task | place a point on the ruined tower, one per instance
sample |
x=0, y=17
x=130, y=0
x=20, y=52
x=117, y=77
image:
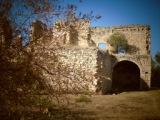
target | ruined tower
x=128, y=71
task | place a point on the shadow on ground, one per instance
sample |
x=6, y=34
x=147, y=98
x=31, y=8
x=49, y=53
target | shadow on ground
x=51, y=114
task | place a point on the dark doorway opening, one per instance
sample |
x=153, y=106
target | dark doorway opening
x=126, y=76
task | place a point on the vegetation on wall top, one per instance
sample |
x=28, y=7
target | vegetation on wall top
x=119, y=39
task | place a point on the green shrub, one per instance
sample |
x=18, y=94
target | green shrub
x=83, y=98
x=117, y=39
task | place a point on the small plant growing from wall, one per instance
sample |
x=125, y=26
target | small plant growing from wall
x=117, y=39
x=120, y=44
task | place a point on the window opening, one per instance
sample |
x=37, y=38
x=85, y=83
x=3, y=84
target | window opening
x=102, y=46
x=121, y=49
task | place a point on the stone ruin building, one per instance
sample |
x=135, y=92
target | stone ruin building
x=103, y=69
x=99, y=70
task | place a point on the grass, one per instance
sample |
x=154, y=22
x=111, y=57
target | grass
x=140, y=105
x=144, y=105
x=83, y=98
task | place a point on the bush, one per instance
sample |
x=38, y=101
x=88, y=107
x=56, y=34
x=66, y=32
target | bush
x=83, y=98
x=117, y=39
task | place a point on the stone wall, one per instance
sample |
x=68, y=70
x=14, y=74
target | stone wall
x=144, y=64
x=83, y=66
x=61, y=32
x=37, y=30
x=82, y=28
x=69, y=69
x=137, y=35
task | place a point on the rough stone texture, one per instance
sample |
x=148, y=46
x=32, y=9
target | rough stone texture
x=83, y=66
x=144, y=64
x=82, y=28
x=89, y=67
x=138, y=35
x=61, y=32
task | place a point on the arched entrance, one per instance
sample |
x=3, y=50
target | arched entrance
x=126, y=76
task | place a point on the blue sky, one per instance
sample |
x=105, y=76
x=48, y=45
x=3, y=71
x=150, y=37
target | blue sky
x=125, y=12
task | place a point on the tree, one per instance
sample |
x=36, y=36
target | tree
x=157, y=58
x=118, y=39
x=20, y=74
x=21, y=13
x=155, y=77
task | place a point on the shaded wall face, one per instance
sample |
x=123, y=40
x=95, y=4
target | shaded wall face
x=7, y=32
x=126, y=76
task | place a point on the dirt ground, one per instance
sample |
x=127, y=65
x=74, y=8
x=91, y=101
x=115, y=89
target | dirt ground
x=142, y=105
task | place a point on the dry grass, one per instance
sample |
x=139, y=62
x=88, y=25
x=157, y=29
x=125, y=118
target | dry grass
x=143, y=105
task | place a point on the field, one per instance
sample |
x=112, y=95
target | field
x=142, y=105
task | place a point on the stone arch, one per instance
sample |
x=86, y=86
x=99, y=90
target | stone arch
x=126, y=76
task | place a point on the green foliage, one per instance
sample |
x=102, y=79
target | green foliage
x=39, y=101
x=83, y=98
x=155, y=77
x=87, y=93
x=117, y=39
x=157, y=57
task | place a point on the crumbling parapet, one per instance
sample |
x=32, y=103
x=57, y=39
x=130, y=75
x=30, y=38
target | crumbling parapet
x=137, y=35
x=83, y=29
x=61, y=32
x=37, y=30
x=76, y=34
